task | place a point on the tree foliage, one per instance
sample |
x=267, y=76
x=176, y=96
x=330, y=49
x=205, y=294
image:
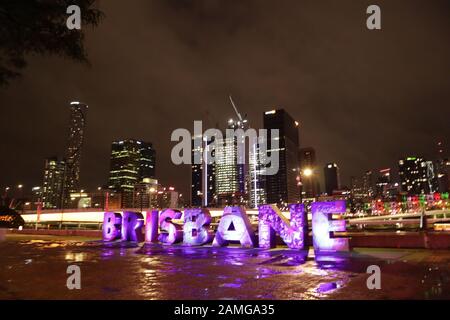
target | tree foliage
x=9, y=218
x=39, y=27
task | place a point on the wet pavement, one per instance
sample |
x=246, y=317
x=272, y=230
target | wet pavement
x=35, y=268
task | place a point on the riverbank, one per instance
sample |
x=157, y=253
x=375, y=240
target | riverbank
x=35, y=267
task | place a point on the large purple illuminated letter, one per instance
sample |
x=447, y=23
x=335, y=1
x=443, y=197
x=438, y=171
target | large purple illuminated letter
x=271, y=221
x=323, y=226
x=132, y=226
x=196, y=231
x=151, y=226
x=174, y=232
x=112, y=225
x=234, y=226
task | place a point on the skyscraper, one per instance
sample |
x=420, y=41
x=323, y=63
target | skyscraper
x=332, y=179
x=442, y=170
x=308, y=168
x=53, y=183
x=443, y=175
x=283, y=187
x=383, y=182
x=230, y=173
x=367, y=185
x=416, y=176
x=131, y=162
x=256, y=177
x=196, y=175
x=203, y=183
x=356, y=188
x=78, y=112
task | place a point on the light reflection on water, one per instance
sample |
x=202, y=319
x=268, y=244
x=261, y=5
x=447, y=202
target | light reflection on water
x=37, y=269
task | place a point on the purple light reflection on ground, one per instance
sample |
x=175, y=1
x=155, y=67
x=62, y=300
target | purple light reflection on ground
x=129, y=271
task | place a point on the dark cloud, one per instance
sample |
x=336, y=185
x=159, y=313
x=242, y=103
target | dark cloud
x=363, y=98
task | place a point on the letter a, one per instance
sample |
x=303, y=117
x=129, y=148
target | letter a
x=181, y=152
x=374, y=20
x=374, y=281
x=74, y=280
x=74, y=20
x=234, y=226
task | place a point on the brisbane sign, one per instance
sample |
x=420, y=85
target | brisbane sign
x=234, y=226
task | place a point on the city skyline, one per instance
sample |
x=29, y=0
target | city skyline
x=59, y=164
x=228, y=157
x=290, y=72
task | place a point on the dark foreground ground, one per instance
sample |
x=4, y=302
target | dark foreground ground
x=34, y=267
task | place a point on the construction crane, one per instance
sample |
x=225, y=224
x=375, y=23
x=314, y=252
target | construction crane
x=241, y=120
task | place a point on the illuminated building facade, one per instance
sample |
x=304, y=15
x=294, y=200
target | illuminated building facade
x=383, y=182
x=53, y=183
x=367, y=185
x=284, y=186
x=256, y=177
x=230, y=175
x=167, y=198
x=332, y=179
x=417, y=176
x=203, y=182
x=442, y=170
x=78, y=113
x=357, y=189
x=443, y=174
x=132, y=161
x=144, y=193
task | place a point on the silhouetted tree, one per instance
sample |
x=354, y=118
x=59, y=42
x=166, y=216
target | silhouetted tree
x=39, y=27
x=10, y=218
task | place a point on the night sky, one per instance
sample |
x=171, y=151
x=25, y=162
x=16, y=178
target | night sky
x=363, y=98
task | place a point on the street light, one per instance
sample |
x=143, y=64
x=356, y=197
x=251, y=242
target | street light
x=308, y=172
x=6, y=192
x=20, y=187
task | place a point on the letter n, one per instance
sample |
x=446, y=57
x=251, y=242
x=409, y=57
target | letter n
x=294, y=232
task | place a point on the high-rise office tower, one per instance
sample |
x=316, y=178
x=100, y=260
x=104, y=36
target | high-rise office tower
x=443, y=175
x=309, y=174
x=196, y=174
x=53, y=183
x=256, y=177
x=230, y=172
x=78, y=113
x=283, y=187
x=442, y=170
x=367, y=185
x=416, y=176
x=357, y=188
x=131, y=162
x=383, y=182
x=332, y=179
x=203, y=183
